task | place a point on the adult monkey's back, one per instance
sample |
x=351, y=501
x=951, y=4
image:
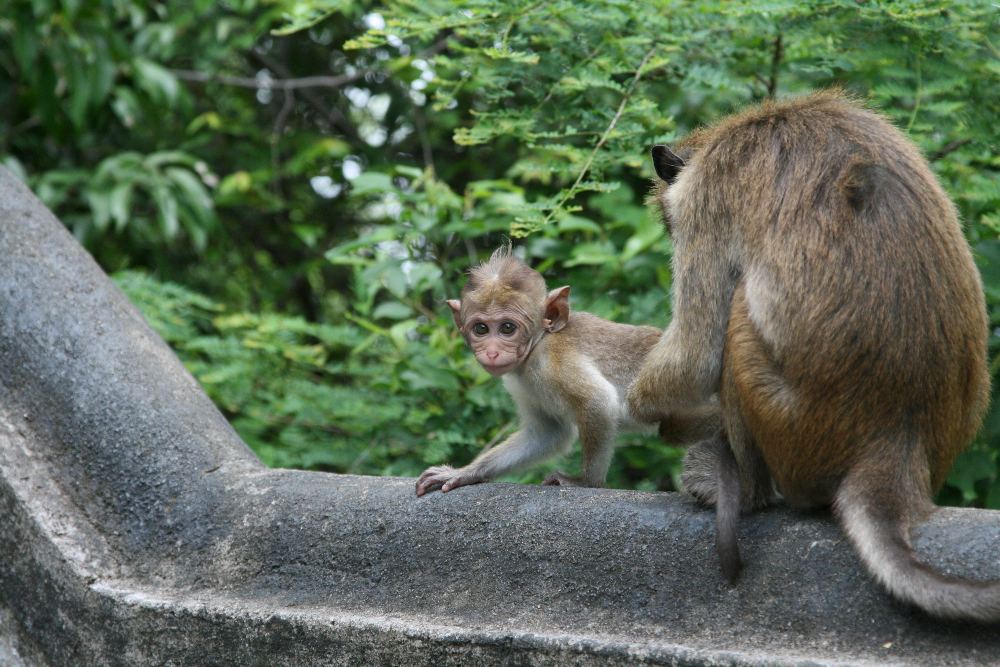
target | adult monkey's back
x=823, y=285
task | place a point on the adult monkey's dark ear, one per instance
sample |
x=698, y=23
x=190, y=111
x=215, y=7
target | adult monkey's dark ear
x=666, y=163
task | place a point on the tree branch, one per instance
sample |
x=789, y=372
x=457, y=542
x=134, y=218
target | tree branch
x=332, y=114
x=277, y=84
x=294, y=83
x=948, y=148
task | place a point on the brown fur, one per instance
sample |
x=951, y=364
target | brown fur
x=568, y=373
x=823, y=284
x=506, y=281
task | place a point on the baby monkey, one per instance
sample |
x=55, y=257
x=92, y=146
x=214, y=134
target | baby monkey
x=568, y=373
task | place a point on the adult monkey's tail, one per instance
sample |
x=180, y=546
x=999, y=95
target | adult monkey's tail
x=727, y=512
x=877, y=519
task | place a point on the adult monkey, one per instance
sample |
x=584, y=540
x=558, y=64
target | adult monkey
x=823, y=286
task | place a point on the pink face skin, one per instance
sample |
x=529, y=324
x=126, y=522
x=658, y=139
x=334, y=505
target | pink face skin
x=499, y=337
x=499, y=341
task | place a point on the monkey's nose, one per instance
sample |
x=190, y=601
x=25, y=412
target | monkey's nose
x=492, y=354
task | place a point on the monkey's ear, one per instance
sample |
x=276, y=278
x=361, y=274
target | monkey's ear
x=557, y=309
x=456, y=311
x=666, y=163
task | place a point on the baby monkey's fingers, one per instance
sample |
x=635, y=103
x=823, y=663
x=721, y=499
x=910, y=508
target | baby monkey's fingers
x=446, y=478
x=433, y=478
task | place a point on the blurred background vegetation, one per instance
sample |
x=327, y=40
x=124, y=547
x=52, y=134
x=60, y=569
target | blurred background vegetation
x=289, y=189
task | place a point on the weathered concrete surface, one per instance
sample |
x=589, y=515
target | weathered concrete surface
x=136, y=528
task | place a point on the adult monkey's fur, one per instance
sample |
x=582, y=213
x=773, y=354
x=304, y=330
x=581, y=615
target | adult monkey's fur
x=823, y=286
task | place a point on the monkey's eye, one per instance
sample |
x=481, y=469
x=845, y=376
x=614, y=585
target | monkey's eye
x=480, y=329
x=507, y=328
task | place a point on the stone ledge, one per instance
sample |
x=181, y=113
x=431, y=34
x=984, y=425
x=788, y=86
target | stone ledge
x=138, y=529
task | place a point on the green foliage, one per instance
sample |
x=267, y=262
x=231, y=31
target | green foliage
x=356, y=397
x=295, y=236
x=160, y=189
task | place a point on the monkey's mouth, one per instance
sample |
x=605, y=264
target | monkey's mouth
x=498, y=369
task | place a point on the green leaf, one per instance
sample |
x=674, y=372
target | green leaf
x=120, y=204
x=161, y=159
x=156, y=81
x=305, y=14
x=593, y=254
x=394, y=279
x=423, y=276
x=372, y=182
x=341, y=254
x=520, y=57
x=166, y=205
x=236, y=183
x=399, y=332
x=100, y=207
x=193, y=190
x=649, y=233
x=392, y=310
x=574, y=223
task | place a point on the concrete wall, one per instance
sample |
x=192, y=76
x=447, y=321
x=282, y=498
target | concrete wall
x=137, y=529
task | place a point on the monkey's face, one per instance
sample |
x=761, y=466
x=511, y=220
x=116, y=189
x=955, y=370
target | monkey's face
x=499, y=338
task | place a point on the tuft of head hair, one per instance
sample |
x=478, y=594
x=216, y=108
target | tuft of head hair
x=503, y=280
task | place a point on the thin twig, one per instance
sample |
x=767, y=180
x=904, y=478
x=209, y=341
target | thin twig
x=280, y=122
x=277, y=84
x=282, y=119
x=423, y=310
x=917, y=96
x=576, y=66
x=949, y=148
x=28, y=123
x=510, y=25
x=425, y=144
x=776, y=55
x=470, y=250
x=571, y=192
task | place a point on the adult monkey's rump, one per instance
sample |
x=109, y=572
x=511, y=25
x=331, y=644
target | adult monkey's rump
x=823, y=286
